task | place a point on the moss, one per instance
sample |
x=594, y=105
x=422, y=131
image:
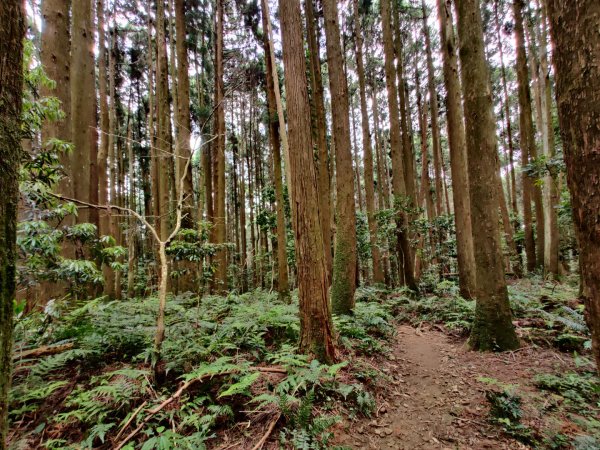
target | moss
x=344, y=283
x=493, y=329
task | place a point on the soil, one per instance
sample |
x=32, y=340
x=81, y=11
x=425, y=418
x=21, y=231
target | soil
x=435, y=395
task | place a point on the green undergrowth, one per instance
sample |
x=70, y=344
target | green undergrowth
x=562, y=412
x=547, y=313
x=238, y=354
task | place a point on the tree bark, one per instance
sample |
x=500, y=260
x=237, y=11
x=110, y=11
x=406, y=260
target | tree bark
x=316, y=327
x=435, y=126
x=492, y=328
x=83, y=108
x=574, y=28
x=527, y=140
x=551, y=193
x=458, y=152
x=405, y=260
x=345, y=256
x=219, y=176
x=55, y=57
x=274, y=138
x=12, y=33
x=183, y=150
x=506, y=105
x=367, y=149
x=320, y=127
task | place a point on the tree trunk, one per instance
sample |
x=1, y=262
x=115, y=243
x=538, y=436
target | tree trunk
x=274, y=137
x=435, y=126
x=344, y=256
x=219, y=129
x=320, y=126
x=316, y=328
x=506, y=104
x=574, y=28
x=551, y=193
x=83, y=108
x=55, y=57
x=458, y=152
x=12, y=33
x=492, y=328
x=526, y=136
x=406, y=270
x=408, y=158
x=367, y=150
x=183, y=151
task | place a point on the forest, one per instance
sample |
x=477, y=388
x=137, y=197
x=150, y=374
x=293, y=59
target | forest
x=286, y=224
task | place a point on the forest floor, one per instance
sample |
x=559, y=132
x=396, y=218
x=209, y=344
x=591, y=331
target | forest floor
x=436, y=395
x=234, y=380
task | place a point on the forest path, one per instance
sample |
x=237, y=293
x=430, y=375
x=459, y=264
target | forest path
x=433, y=399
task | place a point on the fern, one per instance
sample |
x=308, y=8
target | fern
x=55, y=362
x=242, y=386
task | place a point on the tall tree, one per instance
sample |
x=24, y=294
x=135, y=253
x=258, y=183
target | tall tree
x=492, y=328
x=219, y=154
x=367, y=147
x=574, y=28
x=458, y=152
x=55, y=57
x=184, y=125
x=320, y=130
x=550, y=191
x=104, y=219
x=316, y=328
x=83, y=107
x=434, y=108
x=528, y=150
x=405, y=259
x=12, y=33
x=345, y=256
x=275, y=133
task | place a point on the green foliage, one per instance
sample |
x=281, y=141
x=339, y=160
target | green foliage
x=505, y=410
x=579, y=389
x=216, y=340
x=453, y=311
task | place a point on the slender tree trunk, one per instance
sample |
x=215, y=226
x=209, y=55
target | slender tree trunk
x=320, y=126
x=163, y=119
x=527, y=136
x=183, y=150
x=275, y=141
x=458, y=152
x=367, y=149
x=243, y=237
x=345, y=256
x=83, y=108
x=103, y=181
x=219, y=216
x=574, y=28
x=55, y=57
x=506, y=104
x=12, y=33
x=111, y=157
x=435, y=126
x=316, y=328
x=408, y=158
x=550, y=190
x=398, y=183
x=492, y=328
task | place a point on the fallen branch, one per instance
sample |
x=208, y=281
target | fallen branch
x=43, y=351
x=152, y=412
x=262, y=441
x=273, y=369
x=135, y=413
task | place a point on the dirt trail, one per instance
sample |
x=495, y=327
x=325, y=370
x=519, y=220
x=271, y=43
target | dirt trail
x=434, y=399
